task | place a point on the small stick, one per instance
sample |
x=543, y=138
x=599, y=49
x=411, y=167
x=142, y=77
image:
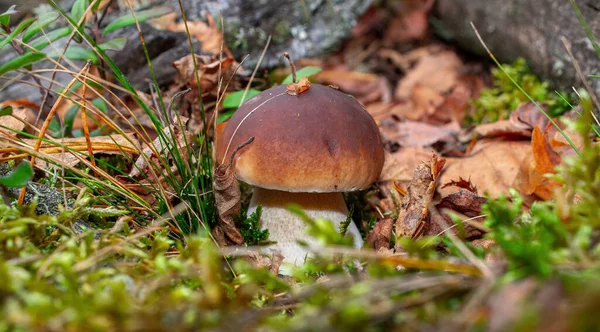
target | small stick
x=287, y=56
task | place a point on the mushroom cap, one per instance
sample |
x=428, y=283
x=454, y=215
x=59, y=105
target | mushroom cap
x=321, y=140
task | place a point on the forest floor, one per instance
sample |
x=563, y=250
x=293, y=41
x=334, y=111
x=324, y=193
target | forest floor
x=112, y=217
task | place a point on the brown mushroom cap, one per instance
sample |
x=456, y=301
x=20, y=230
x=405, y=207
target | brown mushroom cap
x=321, y=140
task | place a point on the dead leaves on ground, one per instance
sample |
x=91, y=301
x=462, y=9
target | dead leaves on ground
x=206, y=32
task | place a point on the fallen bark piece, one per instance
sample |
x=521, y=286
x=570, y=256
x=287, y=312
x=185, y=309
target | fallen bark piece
x=381, y=234
x=414, y=214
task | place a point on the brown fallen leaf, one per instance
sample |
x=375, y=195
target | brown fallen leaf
x=500, y=128
x=438, y=70
x=465, y=202
x=528, y=116
x=441, y=223
x=458, y=100
x=463, y=184
x=206, y=32
x=380, y=110
x=365, y=87
x=410, y=24
x=208, y=71
x=379, y=237
x=16, y=121
x=426, y=100
x=227, y=199
x=414, y=214
x=521, y=122
x=558, y=141
x=405, y=28
x=492, y=166
x=532, y=175
x=107, y=145
x=418, y=134
x=295, y=89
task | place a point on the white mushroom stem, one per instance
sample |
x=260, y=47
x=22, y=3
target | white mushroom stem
x=286, y=228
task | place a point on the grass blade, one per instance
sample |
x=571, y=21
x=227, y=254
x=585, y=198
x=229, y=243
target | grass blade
x=129, y=19
x=22, y=26
x=21, y=61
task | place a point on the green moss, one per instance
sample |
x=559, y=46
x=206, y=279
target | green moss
x=496, y=103
x=281, y=32
x=250, y=227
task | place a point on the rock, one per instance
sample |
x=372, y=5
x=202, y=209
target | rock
x=24, y=7
x=303, y=28
x=531, y=29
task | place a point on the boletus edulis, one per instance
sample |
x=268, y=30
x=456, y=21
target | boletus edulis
x=310, y=145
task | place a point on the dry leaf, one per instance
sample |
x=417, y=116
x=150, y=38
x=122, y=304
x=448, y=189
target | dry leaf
x=398, y=170
x=438, y=71
x=208, y=71
x=207, y=33
x=108, y=145
x=528, y=116
x=294, y=89
x=411, y=24
x=492, y=166
x=380, y=110
x=501, y=128
x=521, y=122
x=365, y=87
x=381, y=234
x=462, y=183
x=15, y=121
x=464, y=201
x=413, y=216
x=418, y=134
x=543, y=160
x=227, y=199
x=400, y=165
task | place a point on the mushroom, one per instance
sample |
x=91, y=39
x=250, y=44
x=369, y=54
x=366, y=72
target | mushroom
x=309, y=147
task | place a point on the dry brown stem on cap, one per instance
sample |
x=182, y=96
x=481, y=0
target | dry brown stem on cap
x=295, y=88
x=287, y=56
x=227, y=200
